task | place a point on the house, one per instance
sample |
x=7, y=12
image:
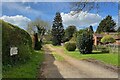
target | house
x=117, y=38
x=97, y=38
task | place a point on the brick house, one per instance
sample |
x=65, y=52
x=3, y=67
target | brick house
x=97, y=37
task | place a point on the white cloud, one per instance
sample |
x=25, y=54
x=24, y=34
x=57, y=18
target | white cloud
x=23, y=9
x=18, y=20
x=82, y=19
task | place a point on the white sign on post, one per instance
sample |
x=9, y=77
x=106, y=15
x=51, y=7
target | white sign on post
x=13, y=51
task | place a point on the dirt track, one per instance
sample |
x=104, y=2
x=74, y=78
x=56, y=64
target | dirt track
x=72, y=68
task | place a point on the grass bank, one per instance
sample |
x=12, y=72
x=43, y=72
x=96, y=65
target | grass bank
x=26, y=70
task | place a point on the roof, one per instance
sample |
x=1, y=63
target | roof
x=98, y=35
x=114, y=35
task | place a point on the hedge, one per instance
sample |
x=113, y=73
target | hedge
x=13, y=36
x=70, y=46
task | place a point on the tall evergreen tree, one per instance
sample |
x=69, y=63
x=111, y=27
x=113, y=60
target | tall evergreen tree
x=91, y=29
x=106, y=25
x=57, y=30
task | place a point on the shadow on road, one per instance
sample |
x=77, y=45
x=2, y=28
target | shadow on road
x=48, y=68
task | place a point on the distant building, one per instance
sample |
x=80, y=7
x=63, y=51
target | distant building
x=97, y=38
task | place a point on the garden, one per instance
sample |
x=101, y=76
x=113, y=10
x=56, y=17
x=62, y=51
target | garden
x=78, y=44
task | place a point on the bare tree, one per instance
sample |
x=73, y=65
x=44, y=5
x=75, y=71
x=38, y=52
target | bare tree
x=36, y=25
x=88, y=6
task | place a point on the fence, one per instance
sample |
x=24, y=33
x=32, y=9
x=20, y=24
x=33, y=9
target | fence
x=113, y=48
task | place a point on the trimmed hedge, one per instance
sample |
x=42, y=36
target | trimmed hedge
x=13, y=36
x=70, y=46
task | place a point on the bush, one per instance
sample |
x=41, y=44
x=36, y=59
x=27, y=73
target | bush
x=104, y=50
x=70, y=46
x=85, y=43
x=13, y=36
x=107, y=39
x=101, y=48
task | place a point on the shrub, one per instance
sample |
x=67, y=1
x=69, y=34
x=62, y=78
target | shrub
x=107, y=39
x=85, y=43
x=13, y=36
x=70, y=46
x=101, y=48
x=104, y=50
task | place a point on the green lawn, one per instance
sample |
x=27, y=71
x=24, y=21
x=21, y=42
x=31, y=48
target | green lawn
x=107, y=58
x=26, y=70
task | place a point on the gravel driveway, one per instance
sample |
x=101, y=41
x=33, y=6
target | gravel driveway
x=72, y=68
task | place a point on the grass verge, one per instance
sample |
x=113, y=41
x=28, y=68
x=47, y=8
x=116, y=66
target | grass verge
x=26, y=70
x=57, y=57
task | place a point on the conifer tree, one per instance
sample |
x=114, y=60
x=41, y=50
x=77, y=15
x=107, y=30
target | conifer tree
x=57, y=30
x=106, y=25
x=91, y=29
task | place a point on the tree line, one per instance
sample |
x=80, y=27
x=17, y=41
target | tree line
x=84, y=37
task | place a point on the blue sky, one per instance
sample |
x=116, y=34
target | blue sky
x=46, y=10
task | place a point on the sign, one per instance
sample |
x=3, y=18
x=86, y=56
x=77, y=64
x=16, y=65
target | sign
x=13, y=51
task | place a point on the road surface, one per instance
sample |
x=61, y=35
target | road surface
x=72, y=68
